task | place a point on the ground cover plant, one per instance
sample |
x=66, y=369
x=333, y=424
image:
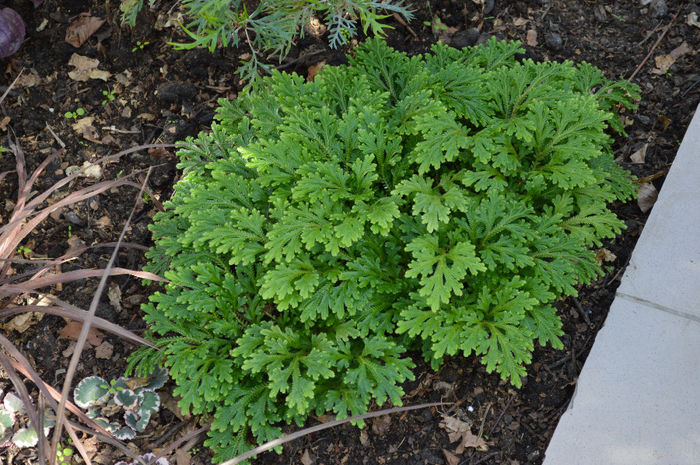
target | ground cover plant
x=323, y=229
x=271, y=26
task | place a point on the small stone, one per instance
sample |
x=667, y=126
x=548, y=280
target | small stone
x=488, y=6
x=72, y=217
x=176, y=91
x=465, y=38
x=553, y=40
x=658, y=8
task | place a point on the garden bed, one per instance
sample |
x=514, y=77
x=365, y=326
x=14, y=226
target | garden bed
x=159, y=95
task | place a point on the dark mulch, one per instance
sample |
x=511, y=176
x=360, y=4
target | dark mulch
x=162, y=95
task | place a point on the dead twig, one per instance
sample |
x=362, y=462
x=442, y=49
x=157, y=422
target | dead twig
x=656, y=44
x=583, y=313
x=493, y=427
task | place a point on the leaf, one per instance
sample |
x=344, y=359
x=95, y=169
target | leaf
x=646, y=196
x=13, y=403
x=25, y=437
x=664, y=61
x=7, y=420
x=71, y=331
x=81, y=29
x=124, y=433
x=639, y=156
x=91, y=391
x=531, y=37
x=450, y=458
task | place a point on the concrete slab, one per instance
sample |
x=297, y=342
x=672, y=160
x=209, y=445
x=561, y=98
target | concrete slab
x=637, y=401
x=665, y=267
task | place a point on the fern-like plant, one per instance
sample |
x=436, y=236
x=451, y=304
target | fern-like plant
x=323, y=229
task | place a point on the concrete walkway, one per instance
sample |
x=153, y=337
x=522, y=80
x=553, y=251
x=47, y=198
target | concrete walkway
x=637, y=401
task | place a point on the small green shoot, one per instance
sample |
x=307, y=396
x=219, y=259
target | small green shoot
x=140, y=45
x=109, y=96
x=24, y=251
x=75, y=114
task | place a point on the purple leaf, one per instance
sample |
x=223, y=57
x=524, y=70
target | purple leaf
x=11, y=32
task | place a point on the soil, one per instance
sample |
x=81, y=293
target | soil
x=161, y=95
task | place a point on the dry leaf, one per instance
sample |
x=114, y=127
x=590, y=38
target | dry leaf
x=314, y=69
x=664, y=62
x=531, y=38
x=85, y=68
x=81, y=29
x=104, y=350
x=71, y=331
x=306, y=458
x=647, y=195
x=28, y=79
x=146, y=117
x=23, y=321
x=454, y=427
x=639, y=155
x=114, y=294
x=665, y=121
x=104, y=222
x=380, y=425
x=692, y=19
x=364, y=439
x=604, y=255
x=182, y=457
x=450, y=458
x=4, y=122
x=82, y=123
x=316, y=27
x=469, y=440
x=517, y=22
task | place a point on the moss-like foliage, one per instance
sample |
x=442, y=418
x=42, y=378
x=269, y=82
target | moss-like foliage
x=322, y=229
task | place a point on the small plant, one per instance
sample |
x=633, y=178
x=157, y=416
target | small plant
x=140, y=45
x=131, y=400
x=24, y=251
x=109, y=96
x=75, y=114
x=64, y=455
x=272, y=27
x=323, y=229
x=12, y=410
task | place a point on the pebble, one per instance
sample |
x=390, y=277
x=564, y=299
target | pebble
x=176, y=91
x=553, y=40
x=72, y=217
x=465, y=38
x=488, y=6
x=658, y=8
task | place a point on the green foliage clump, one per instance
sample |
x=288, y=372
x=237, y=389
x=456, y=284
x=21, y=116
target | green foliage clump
x=438, y=203
x=273, y=25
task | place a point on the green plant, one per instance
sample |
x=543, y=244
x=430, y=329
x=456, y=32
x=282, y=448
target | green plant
x=132, y=400
x=109, y=96
x=64, y=455
x=140, y=45
x=74, y=114
x=11, y=410
x=322, y=229
x=146, y=458
x=24, y=251
x=271, y=28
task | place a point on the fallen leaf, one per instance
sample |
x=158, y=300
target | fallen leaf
x=470, y=440
x=450, y=458
x=454, y=427
x=531, y=38
x=664, y=61
x=665, y=121
x=364, y=438
x=85, y=68
x=28, y=79
x=380, y=425
x=692, y=19
x=639, y=156
x=604, y=255
x=82, y=123
x=316, y=27
x=4, y=122
x=647, y=195
x=104, y=350
x=104, y=222
x=114, y=294
x=71, y=331
x=23, y=321
x=91, y=171
x=517, y=22
x=314, y=69
x=81, y=29
x=182, y=457
x=306, y=458
x=146, y=117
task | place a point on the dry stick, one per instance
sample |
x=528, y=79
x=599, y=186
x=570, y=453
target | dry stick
x=485, y=458
x=174, y=445
x=7, y=91
x=290, y=437
x=493, y=427
x=656, y=44
x=72, y=366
